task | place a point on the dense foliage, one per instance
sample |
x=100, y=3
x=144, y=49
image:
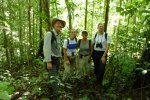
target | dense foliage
x=24, y=22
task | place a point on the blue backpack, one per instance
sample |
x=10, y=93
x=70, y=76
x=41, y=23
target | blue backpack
x=71, y=46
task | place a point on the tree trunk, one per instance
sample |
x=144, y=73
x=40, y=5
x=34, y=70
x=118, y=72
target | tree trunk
x=20, y=31
x=6, y=49
x=106, y=14
x=40, y=20
x=29, y=34
x=5, y=42
x=92, y=16
x=45, y=6
x=33, y=34
x=29, y=23
x=56, y=8
x=85, y=21
x=69, y=14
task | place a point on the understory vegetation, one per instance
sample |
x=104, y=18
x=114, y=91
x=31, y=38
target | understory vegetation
x=23, y=75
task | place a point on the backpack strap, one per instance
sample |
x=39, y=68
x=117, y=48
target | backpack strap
x=76, y=39
x=67, y=42
x=53, y=37
x=95, y=37
x=76, y=42
x=89, y=43
x=79, y=42
x=106, y=36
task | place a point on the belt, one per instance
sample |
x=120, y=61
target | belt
x=54, y=58
x=71, y=56
x=83, y=56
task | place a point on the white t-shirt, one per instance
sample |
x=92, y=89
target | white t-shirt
x=101, y=39
x=72, y=46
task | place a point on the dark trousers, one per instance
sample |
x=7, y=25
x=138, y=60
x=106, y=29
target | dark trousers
x=99, y=67
x=53, y=74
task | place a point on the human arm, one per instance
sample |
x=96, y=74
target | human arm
x=103, y=59
x=65, y=52
x=91, y=51
x=65, y=56
x=47, y=50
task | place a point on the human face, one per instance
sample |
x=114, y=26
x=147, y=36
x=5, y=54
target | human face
x=84, y=35
x=101, y=27
x=58, y=26
x=72, y=34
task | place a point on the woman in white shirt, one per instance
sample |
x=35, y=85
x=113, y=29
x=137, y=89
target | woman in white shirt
x=100, y=47
x=69, y=51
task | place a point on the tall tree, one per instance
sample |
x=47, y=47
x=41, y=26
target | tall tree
x=93, y=7
x=5, y=40
x=45, y=6
x=54, y=9
x=29, y=23
x=10, y=40
x=40, y=20
x=68, y=4
x=20, y=29
x=85, y=21
x=106, y=14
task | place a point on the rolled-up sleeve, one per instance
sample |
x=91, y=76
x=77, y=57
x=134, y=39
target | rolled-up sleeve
x=65, y=44
x=108, y=39
x=47, y=47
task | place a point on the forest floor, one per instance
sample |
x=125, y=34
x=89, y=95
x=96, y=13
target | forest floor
x=87, y=89
x=30, y=79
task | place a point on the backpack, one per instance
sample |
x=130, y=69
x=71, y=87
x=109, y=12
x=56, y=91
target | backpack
x=68, y=46
x=68, y=42
x=40, y=50
x=80, y=43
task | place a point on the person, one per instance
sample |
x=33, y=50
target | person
x=52, y=53
x=69, y=51
x=100, y=47
x=84, y=46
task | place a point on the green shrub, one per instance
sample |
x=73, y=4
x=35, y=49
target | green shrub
x=5, y=90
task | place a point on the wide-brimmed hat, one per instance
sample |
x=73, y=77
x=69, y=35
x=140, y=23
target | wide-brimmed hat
x=56, y=19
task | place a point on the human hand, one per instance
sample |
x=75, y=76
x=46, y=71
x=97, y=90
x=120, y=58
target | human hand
x=49, y=65
x=103, y=59
x=67, y=62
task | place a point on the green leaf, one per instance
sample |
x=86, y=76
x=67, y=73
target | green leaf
x=119, y=9
x=4, y=95
x=10, y=89
x=4, y=85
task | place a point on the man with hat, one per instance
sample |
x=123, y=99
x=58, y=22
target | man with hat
x=52, y=52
